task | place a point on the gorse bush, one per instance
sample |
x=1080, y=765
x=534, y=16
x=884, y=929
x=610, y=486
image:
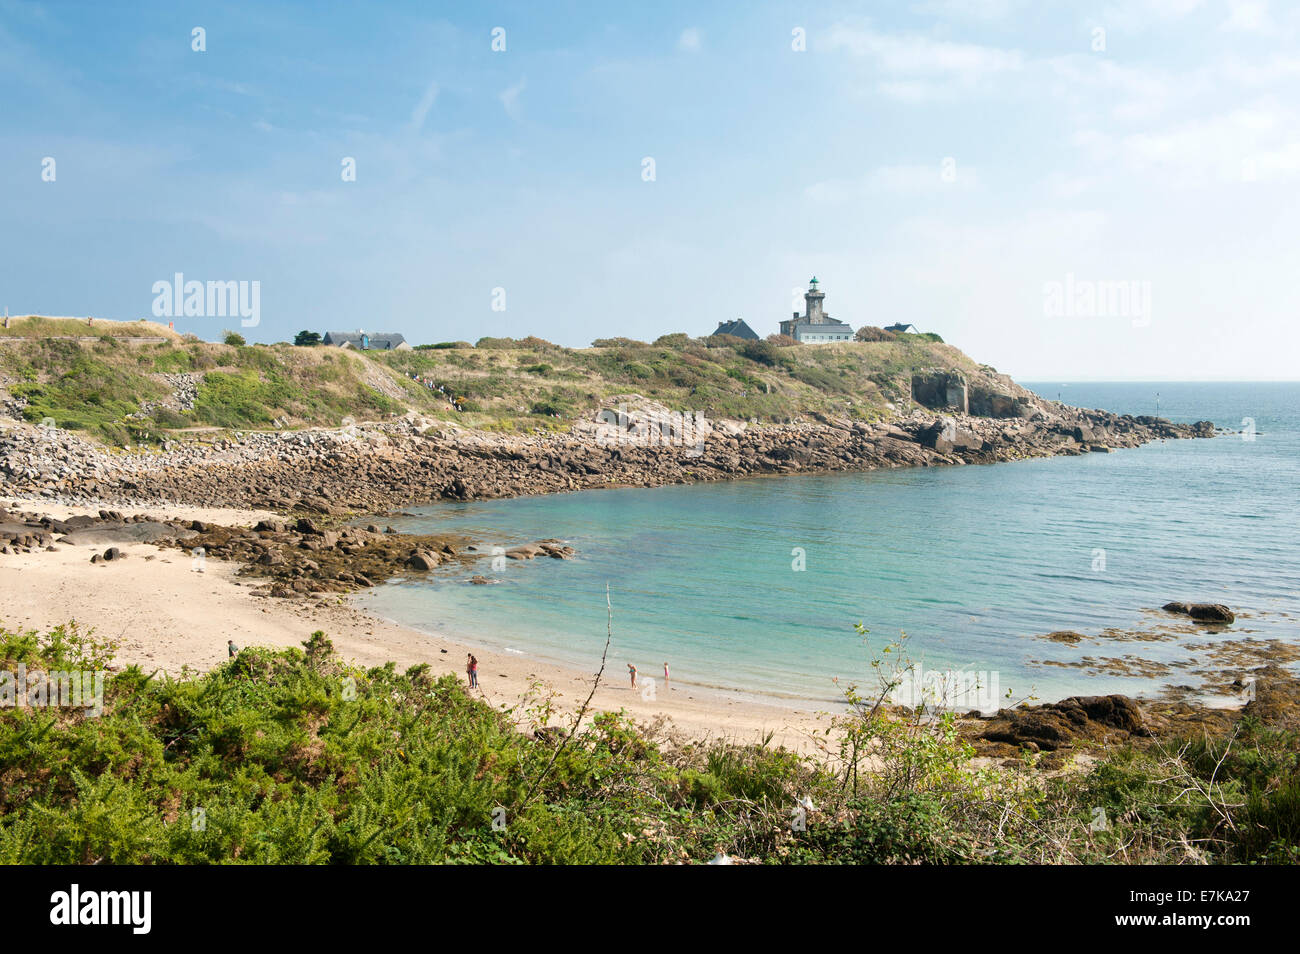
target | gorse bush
x=292, y=757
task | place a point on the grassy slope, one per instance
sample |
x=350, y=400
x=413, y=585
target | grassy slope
x=39, y=326
x=98, y=387
x=738, y=381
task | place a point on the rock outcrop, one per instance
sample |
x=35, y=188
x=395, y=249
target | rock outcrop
x=941, y=389
x=378, y=467
x=1104, y=719
x=1202, y=612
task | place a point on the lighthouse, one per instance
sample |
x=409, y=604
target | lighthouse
x=813, y=301
x=815, y=326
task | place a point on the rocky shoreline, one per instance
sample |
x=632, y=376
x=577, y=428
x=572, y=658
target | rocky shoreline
x=307, y=559
x=377, y=468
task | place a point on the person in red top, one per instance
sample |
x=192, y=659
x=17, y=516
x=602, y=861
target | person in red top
x=471, y=670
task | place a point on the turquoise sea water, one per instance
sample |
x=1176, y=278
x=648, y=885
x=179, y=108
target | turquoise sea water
x=971, y=562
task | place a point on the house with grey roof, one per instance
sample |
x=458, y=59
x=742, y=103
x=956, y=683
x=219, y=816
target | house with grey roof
x=366, y=340
x=737, y=329
x=902, y=328
x=815, y=326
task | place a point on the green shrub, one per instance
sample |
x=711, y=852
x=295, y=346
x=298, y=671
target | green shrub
x=760, y=352
x=678, y=339
x=723, y=341
x=533, y=343
x=295, y=757
x=234, y=400
x=638, y=371
x=173, y=360
x=549, y=407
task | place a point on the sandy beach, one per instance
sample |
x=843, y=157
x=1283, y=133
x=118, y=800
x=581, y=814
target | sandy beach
x=165, y=616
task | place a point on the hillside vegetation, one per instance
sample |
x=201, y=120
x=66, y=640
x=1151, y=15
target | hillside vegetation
x=131, y=392
x=292, y=757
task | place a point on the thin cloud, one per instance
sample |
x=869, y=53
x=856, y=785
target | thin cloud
x=914, y=55
x=421, y=110
x=968, y=9
x=918, y=179
x=690, y=41
x=1260, y=143
x=225, y=85
x=510, y=99
x=1138, y=15
x=913, y=68
x=1247, y=16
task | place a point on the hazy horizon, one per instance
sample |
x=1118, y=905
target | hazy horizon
x=1087, y=193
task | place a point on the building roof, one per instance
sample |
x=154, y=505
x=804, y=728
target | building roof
x=738, y=328
x=377, y=341
x=818, y=326
x=830, y=324
x=900, y=327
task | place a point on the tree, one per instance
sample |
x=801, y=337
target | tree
x=870, y=333
x=234, y=338
x=306, y=338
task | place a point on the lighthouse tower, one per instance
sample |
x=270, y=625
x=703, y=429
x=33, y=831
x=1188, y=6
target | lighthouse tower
x=815, y=327
x=813, y=300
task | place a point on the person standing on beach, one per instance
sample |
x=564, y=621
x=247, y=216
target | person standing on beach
x=665, y=675
x=631, y=670
x=471, y=670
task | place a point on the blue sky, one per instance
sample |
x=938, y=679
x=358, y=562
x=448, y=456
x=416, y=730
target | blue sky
x=936, y=162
